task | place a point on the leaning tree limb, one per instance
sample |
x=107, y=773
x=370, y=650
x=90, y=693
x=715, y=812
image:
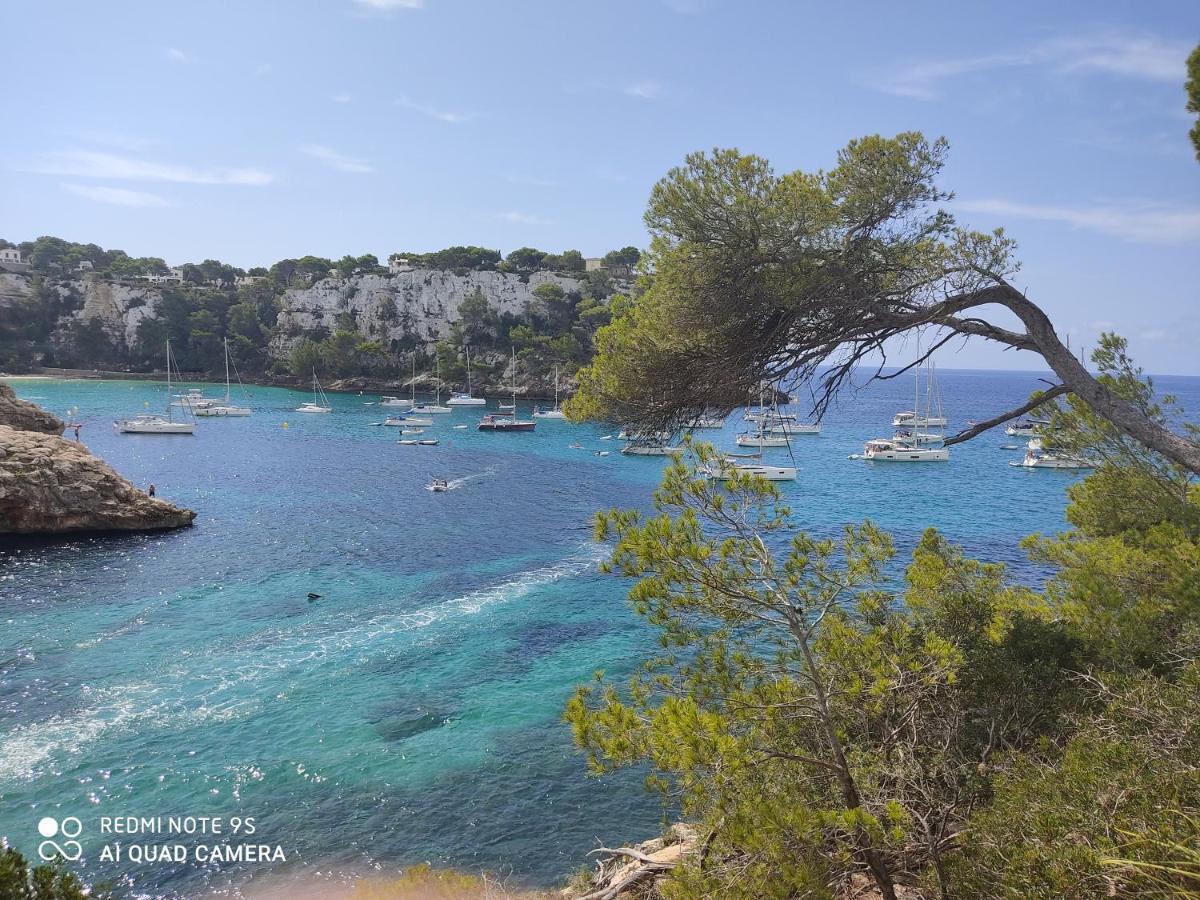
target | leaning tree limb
x=1080, y=382
x=980, y=427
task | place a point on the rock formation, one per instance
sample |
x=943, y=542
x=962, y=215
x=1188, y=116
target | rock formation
x=49, y=485
x=25, y=416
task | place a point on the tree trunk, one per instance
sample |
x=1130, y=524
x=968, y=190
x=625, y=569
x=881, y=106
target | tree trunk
x=1102, y=401
x=850, y=796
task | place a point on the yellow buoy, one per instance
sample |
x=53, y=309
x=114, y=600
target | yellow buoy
x=285, y=424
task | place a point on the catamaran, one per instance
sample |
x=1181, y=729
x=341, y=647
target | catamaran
x=319, y=402
x=556, y=413
x=508, y=421
x=459, y=398
x=152, y=423
x=227, y=408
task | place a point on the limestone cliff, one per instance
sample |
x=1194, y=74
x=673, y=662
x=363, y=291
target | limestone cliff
x=49, y=485
x=419, y=303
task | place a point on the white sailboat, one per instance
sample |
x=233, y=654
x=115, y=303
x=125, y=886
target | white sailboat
x=507, y=421
x=459, y=398
x=1041, y=457
x=728, y=466
x=435, y=407
x=913, y=420
x=226, y=409
x=555, y=413
x=194, y=399
x=319, y=402
x=910, y=443
x=152, y=423
x=387, y=400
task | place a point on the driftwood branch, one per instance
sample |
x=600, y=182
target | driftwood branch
x=980, y=427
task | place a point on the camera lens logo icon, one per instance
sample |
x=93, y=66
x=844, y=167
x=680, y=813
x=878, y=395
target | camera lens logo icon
x=69, y=828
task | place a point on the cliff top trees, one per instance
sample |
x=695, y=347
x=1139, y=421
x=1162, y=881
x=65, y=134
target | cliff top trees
x=808, y=275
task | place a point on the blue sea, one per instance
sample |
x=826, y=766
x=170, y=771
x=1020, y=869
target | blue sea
x=412, y=713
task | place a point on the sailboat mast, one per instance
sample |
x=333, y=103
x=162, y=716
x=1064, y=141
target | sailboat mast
x=226, y=371
x=470, y=393
x=556, y=386
x=514, y=382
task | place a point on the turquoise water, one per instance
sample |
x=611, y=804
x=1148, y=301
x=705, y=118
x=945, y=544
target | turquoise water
x=412, y=713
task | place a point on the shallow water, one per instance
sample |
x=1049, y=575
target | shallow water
x=412, y=712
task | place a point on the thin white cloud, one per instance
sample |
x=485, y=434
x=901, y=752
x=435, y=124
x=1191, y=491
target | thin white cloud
x=336, y=160
x=115, y=196
x=263, y=69
x=442, y=115
x=532, y=181
x=94, y=164
x=1154, y=334
x=520, y=218
x=342, y=98
x=1143, y=223
x=174, y=54
x=389, y=5
x=646, y=90
x=1120, y=53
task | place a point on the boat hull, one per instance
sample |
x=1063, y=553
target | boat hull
x=222, y=412
x=650, y=450
x=407, y=422
x=915, y=454
x=154, y=427
x=501, y=426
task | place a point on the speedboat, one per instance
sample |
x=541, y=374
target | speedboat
x=439, y=485
x=427, y=442
x=881, y=450
x=407, y=422
x=395, y=401
x=412, y=430
x=152, y=424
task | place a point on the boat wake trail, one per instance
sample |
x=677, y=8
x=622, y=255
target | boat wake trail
x=454, y=484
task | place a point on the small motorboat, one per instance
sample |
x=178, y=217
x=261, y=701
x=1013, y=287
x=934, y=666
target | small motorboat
x=427, y=442
x=439, y=485
x=407, y=421
x=412, y=430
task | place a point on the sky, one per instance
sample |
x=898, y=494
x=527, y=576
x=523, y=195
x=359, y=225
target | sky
x=254, y=131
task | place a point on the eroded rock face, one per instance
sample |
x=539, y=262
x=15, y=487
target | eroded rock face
x=49, y=485
x=25, y=416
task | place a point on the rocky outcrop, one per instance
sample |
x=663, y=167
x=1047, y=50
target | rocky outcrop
x=49, y=485
x=25, y=416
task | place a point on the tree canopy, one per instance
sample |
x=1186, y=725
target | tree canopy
x=808, y=276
